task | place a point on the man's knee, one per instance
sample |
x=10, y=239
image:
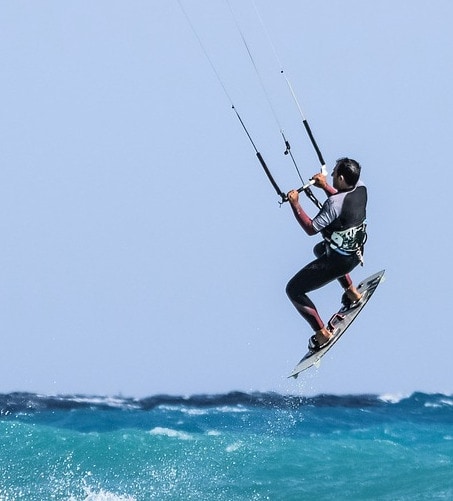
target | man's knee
x=290, y=290
x=295, y=289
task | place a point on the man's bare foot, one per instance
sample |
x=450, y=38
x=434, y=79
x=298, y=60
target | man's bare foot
x=323, y=336
x=351, y=296
x=320, y=339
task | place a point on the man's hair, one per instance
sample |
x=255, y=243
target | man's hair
x=349, y=169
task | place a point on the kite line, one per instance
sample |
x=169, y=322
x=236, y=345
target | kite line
x=306, y=186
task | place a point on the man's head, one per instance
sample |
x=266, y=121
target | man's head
x=346, y=173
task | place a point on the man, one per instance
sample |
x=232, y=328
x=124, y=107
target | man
x=341, y=221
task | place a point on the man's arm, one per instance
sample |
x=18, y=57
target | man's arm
x=321, y=182
x=301, y=216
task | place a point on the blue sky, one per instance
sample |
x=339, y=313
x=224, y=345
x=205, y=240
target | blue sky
x=143, y=249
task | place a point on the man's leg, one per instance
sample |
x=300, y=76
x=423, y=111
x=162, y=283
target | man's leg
x=327, y=267
x=313, y=276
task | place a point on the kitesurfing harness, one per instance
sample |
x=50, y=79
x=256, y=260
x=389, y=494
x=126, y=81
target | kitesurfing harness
x=350, y=241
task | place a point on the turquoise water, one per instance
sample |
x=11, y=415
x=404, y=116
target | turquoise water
x=226, y=447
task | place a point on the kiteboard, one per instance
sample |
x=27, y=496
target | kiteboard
x=340, y=321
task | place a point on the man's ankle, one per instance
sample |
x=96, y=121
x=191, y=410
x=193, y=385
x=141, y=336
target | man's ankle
x=353, y=294
x=323, y=334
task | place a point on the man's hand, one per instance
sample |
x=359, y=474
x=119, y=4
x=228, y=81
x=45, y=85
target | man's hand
x=320, y=180
x=293, y=197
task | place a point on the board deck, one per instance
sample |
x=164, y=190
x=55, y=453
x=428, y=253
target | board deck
x=341, y=320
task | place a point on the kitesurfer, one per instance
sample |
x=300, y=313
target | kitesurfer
x=341, y=222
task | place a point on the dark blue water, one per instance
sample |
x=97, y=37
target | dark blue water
x=235, y=446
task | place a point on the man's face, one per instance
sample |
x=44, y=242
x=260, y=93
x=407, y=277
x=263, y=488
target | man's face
x=335, y=178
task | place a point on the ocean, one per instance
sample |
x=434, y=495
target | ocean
x=234, y=446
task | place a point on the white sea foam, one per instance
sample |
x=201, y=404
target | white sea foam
x=169, y=432
x=392, y=398
x=194, y=412
x=102, y=495
x=167, y=407
x=229, y=408
x=197, y=411
x=440, y=403
x=213, y=433
x=234, y=447
x=117, y=402
x=190, y=411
